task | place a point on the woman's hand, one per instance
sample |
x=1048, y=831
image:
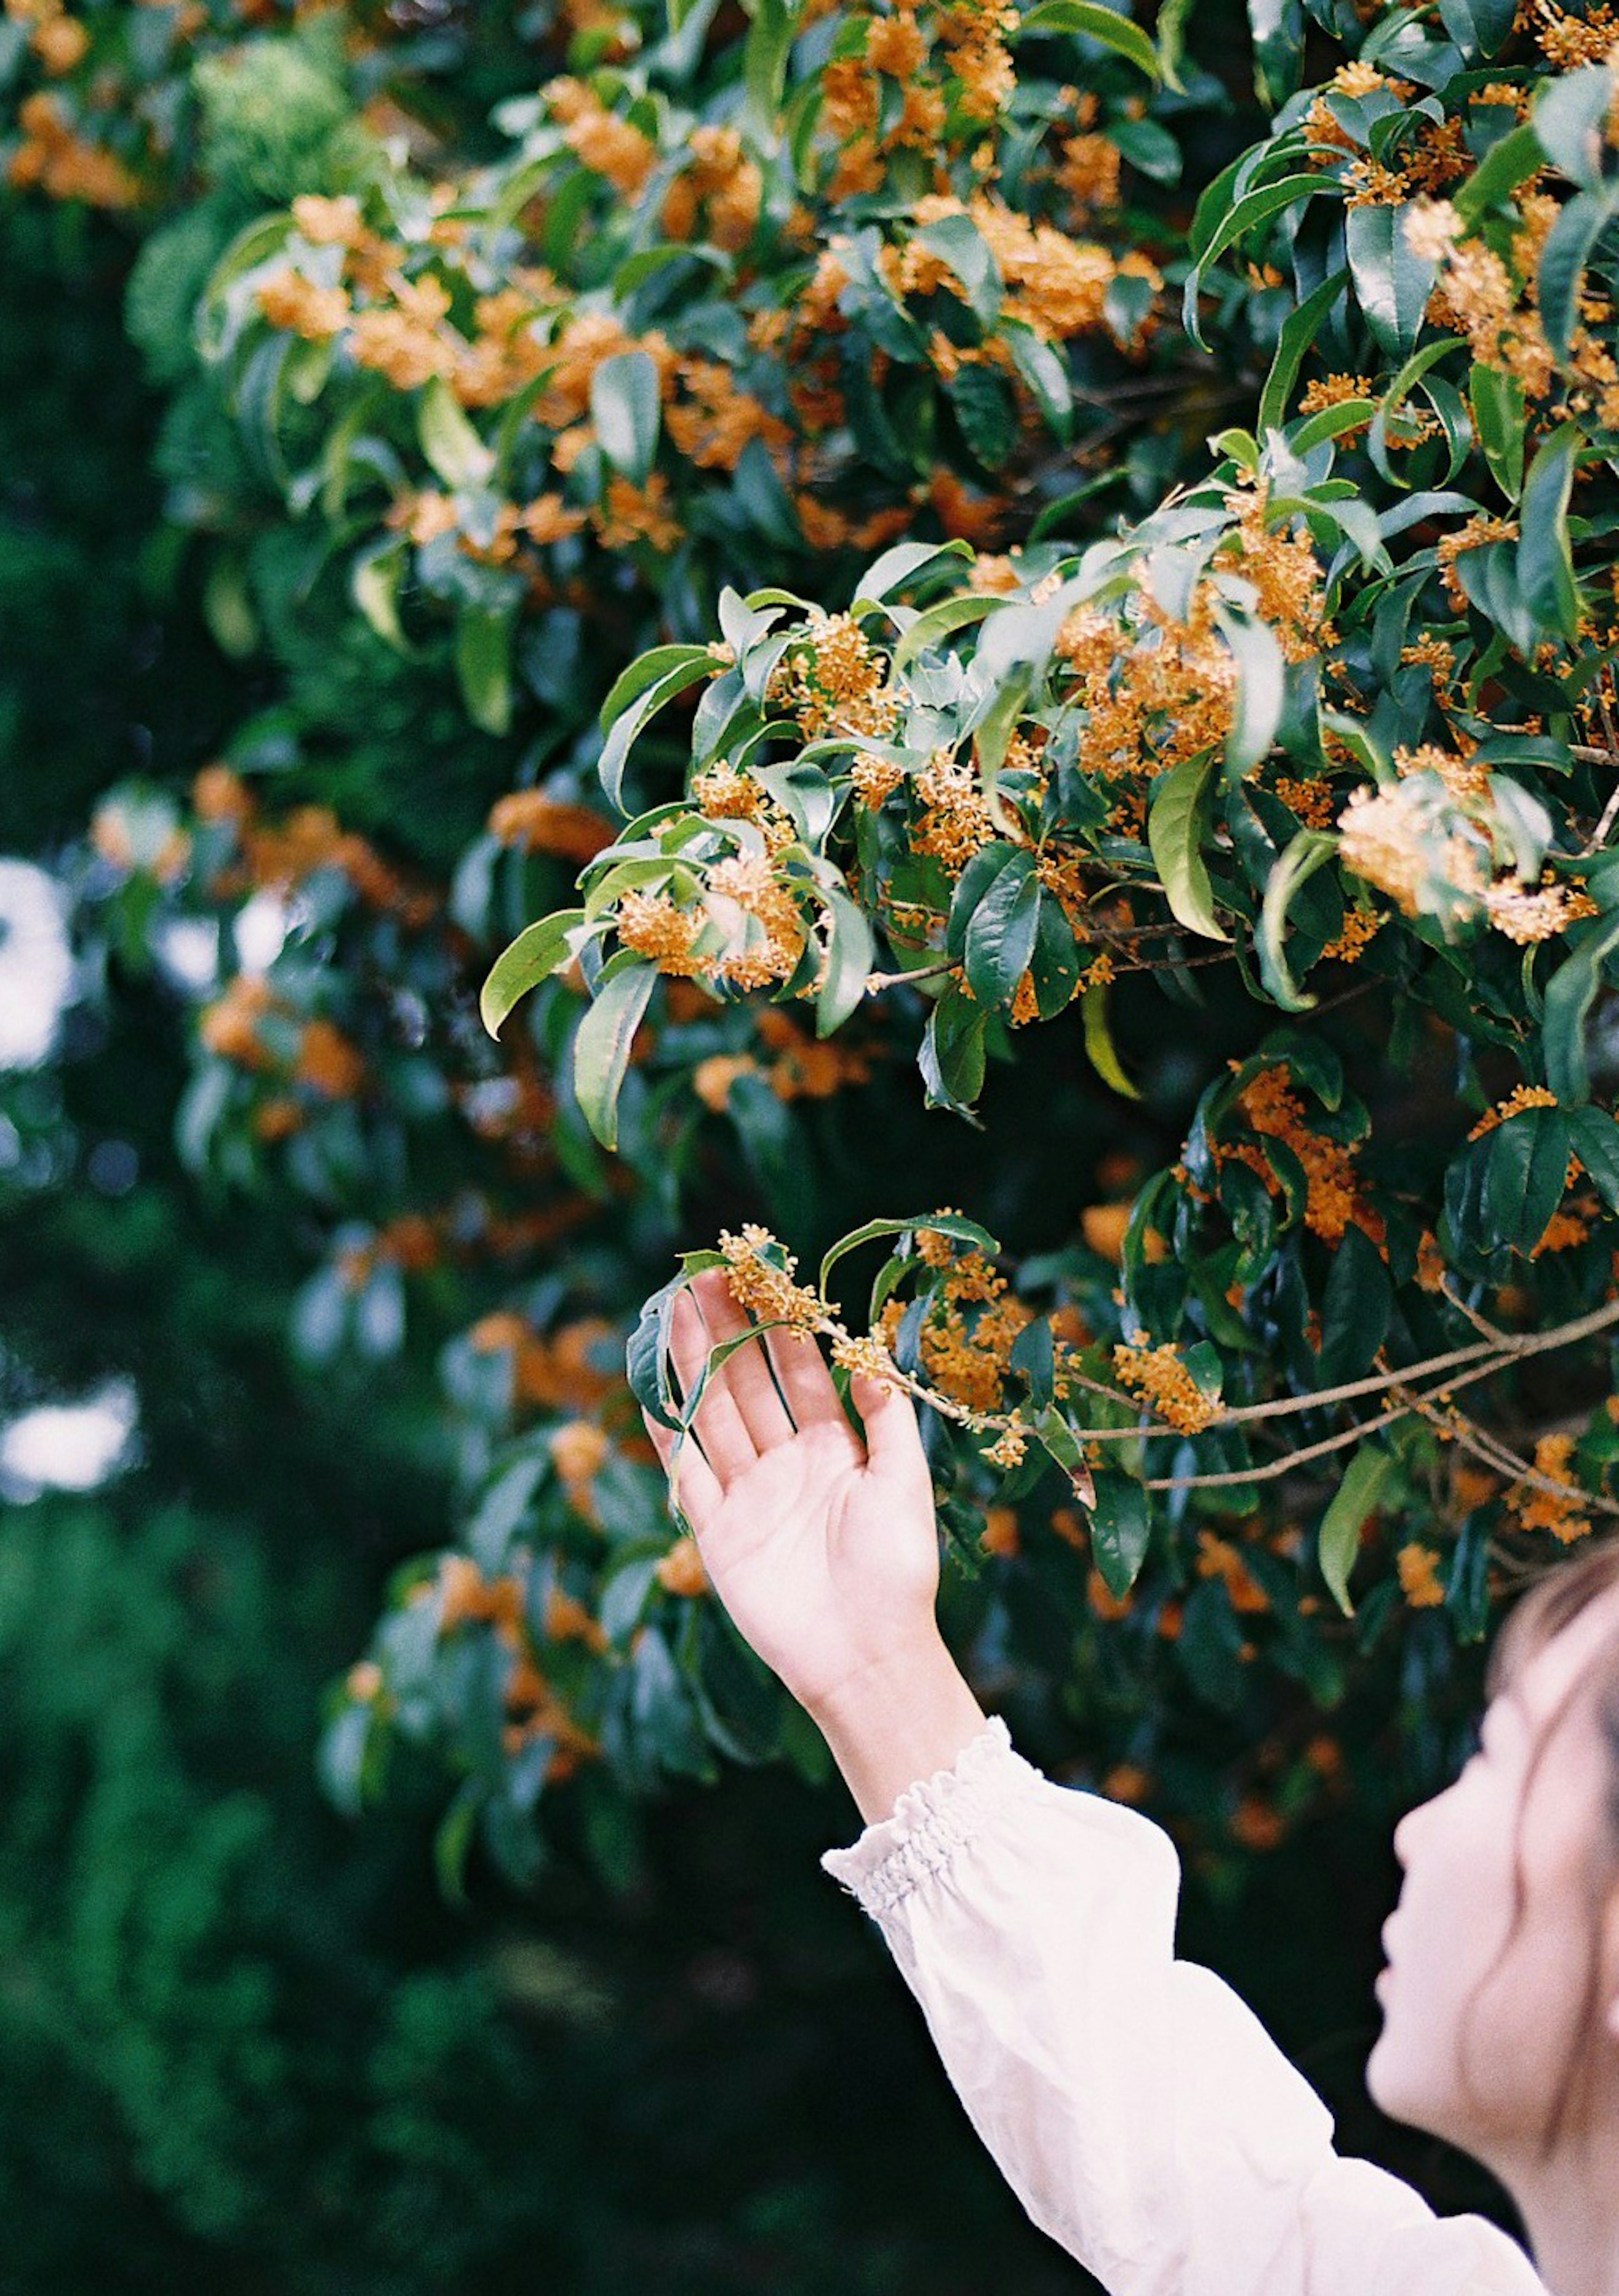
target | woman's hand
x=822, y=1548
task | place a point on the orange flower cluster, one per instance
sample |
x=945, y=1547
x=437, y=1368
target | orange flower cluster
x=759, y=1274
x=1419, y=1580
x=562, y=1372
x=540, y=823
x=834, y=679
x=321, y=1056
x=1526, y=916
x=1159, y=1374
x=680, y=1571
x=1492, y=299
x=973, y=1320
x=1521, y=1096
x=465, y=1597
x=1359, y=927
x=1155, y=689
x=720, y=186
x=278, y=856
x=1405, y=839
x=1219, y=1558
x=954, y=820
x=1057, y=285
x=805, y=1068
x=867, y=1356
x=54, y=158
x=413, y=1243
x=605, y=143
x=1270, y=1107
x=1561, y=1511
x=715, y=421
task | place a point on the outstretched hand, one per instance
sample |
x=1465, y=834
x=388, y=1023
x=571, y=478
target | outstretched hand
x=822, y=1548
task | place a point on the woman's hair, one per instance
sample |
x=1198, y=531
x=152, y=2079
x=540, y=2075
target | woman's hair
x=1555, y=1597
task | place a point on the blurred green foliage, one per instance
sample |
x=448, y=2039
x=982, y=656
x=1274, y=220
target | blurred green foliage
x=427, y=417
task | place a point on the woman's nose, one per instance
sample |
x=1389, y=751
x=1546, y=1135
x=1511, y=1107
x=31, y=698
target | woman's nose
x=1406, y=1832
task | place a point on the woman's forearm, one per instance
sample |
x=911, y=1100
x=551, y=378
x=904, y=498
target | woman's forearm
x=897, y=1723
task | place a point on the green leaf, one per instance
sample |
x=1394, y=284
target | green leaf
x=1061, y=1445
x=1000, y=933
x=1355, y=1310
x=539, y=951
x=1498, y=175
x=1259, y=677
x=625, y=411
x=1498, y=417
x=646, y=670
x=373, y=583
x=1099, y=1042
x=1278, y=31
x=1297, y=338
x=941, y=621
x=951, y=1054
x=1121, y=1528
x=628, y=727
x=601, y=1047
x=1177, y=826
x=963, y=250
x=1106, y=25
x=952, y=1224
x=1568, y=249
x=1570, y=994
x=484, y=666
x=1570, y=122
x=848, y=960
x=907, y=561
x=453, y=1841
x=1044, y=372
x=1545, y=560
x=1309, y=851
x=453, y=448
x=985, y=413
x=1526, y=1169
x=1594, y=1137
x=764, y=63
x=1393, y=283
x=1246, y=215
x=1338, y=1540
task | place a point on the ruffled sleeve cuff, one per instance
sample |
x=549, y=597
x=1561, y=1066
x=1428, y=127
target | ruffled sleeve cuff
x=932, y=1818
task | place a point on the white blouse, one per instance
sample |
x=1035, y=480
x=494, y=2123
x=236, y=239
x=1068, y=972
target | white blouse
x=1137, y=2106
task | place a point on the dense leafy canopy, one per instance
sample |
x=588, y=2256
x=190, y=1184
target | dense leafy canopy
x=955, y=611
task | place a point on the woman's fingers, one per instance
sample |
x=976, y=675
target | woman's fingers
x=692, y=1479
x=805, y=1379
x=720, y=1426
x=746, y=1375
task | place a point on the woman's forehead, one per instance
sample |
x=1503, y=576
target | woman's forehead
x=1539, y=1682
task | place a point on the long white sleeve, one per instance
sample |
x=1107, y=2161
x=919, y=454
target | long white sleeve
x=1138, y=2108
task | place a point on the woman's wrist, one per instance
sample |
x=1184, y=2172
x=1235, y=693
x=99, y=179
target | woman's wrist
x=896, y=1721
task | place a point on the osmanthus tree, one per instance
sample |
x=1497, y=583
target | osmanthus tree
x=868, y=541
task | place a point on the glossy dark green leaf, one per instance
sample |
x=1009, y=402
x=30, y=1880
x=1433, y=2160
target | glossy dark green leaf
x=1391, y=281
x=1355, y=1310
x=850, y=954
x=1545, y=558
x=601, y=1048
x=1178, y=826
x=1121, y=1529
x=1570, y=994
x=1000, y=933
x=539, y=950
x=1526, y=1169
